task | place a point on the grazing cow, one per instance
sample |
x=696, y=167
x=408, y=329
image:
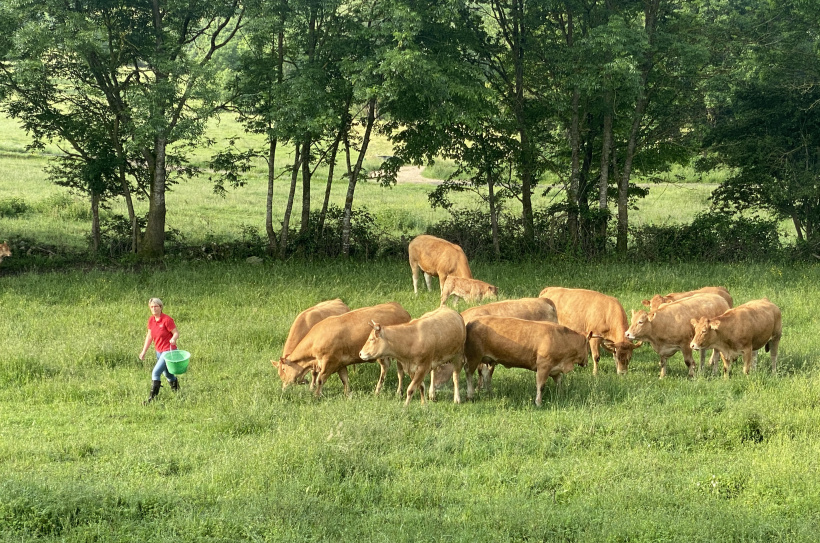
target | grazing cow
x=657, y=299
x=307, y=319
x=740, y=331
x=531, y=309
x=669, y=330
x=589, y=311
x=466, y=288
x=436, y=258
x=333, y=344
x=548, y=349
x=420, y=346
x=5, y=251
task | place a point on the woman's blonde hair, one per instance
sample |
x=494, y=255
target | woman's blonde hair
x=156, y=301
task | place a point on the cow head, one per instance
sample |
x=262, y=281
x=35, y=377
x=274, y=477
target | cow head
x=289, y=372
x=641, y=323
x=705, y=333
x=656, y=301
x=374, y=345
x=623, y=353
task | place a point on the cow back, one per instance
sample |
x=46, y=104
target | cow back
x=671, y=323
x=308, y=318
x=533, y=309
x=437, y=256
x=588, y=311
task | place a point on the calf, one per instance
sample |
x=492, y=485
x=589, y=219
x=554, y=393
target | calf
x=548, y=349
x=436, y=257
x=740, y=331
x=420, y=346
x=669, y=330
x=589, y=311
x=657, y=299
x=333, y=344
x=532, y=309
x=468, y=289
x=5, y=251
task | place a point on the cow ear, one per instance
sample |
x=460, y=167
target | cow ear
x=714, y=324
x=647, y=303
x=275, y=363
x=637, y=345
x=693, y=322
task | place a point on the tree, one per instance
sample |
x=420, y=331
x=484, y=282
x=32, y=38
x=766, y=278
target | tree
x=150, y=62
x=767, y=128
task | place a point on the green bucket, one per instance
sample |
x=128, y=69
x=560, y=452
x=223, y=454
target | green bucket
x=177, y=361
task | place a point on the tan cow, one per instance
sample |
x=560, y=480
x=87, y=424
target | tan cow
x=5, y=251
x=420, y=346
x=436, y=258
x=466, y=288
x=307, y=319
x=531, y=309
x=590, y=311
x=740, y=331
x=669, y=329
x=548, y=349
x=657, y=299
x=334, y=343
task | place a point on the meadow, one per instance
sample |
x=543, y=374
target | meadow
x=233, y=457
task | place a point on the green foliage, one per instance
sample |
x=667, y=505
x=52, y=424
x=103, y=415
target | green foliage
x=13, y=207
x=711, y=237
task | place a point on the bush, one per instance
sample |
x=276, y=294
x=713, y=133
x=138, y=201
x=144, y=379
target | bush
x=367, y=240
x=13, y=207
x=711, y=237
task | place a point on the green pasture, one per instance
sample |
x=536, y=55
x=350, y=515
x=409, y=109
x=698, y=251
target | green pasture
x=234, y=458
x=56, y=217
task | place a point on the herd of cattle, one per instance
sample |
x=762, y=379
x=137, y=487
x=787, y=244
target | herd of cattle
x=548, y=335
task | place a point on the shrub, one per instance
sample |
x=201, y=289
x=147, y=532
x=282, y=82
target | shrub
x=711, y=237
x=13, y=207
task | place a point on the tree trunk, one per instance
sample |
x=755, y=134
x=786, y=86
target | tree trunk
x=493, y=214
x=272, y=242
x=603, y=183
x=351, y=187
x=574, y=180
x=153, y=241
x=294, y=176
x=527, y=154
x=330, y=169
x=306, y=175
x=95, y=222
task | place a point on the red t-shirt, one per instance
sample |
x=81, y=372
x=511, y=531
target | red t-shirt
x=161, y=332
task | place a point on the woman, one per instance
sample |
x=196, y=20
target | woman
x=162, y=331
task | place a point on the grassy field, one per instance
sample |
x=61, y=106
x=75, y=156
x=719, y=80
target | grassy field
x=232, y=457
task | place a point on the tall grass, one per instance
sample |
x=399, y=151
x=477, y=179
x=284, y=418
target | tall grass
x=233, y=457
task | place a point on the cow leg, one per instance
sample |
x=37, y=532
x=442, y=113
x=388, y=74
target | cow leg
x=663, y=366
x=689, y=360
x=702, y=360
x=384, y=365
x=595, y=348
x=400, y=375
x=713, y=361
x=432, y=393
x=416, y=382
x=469, y=375
x=774, y=344
x=414, y=269
x=747, y=360
x=458, y=361
x=540, y=379
x=727, y=366
x=429, y=280
x=345, y=380
x=487, y=375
